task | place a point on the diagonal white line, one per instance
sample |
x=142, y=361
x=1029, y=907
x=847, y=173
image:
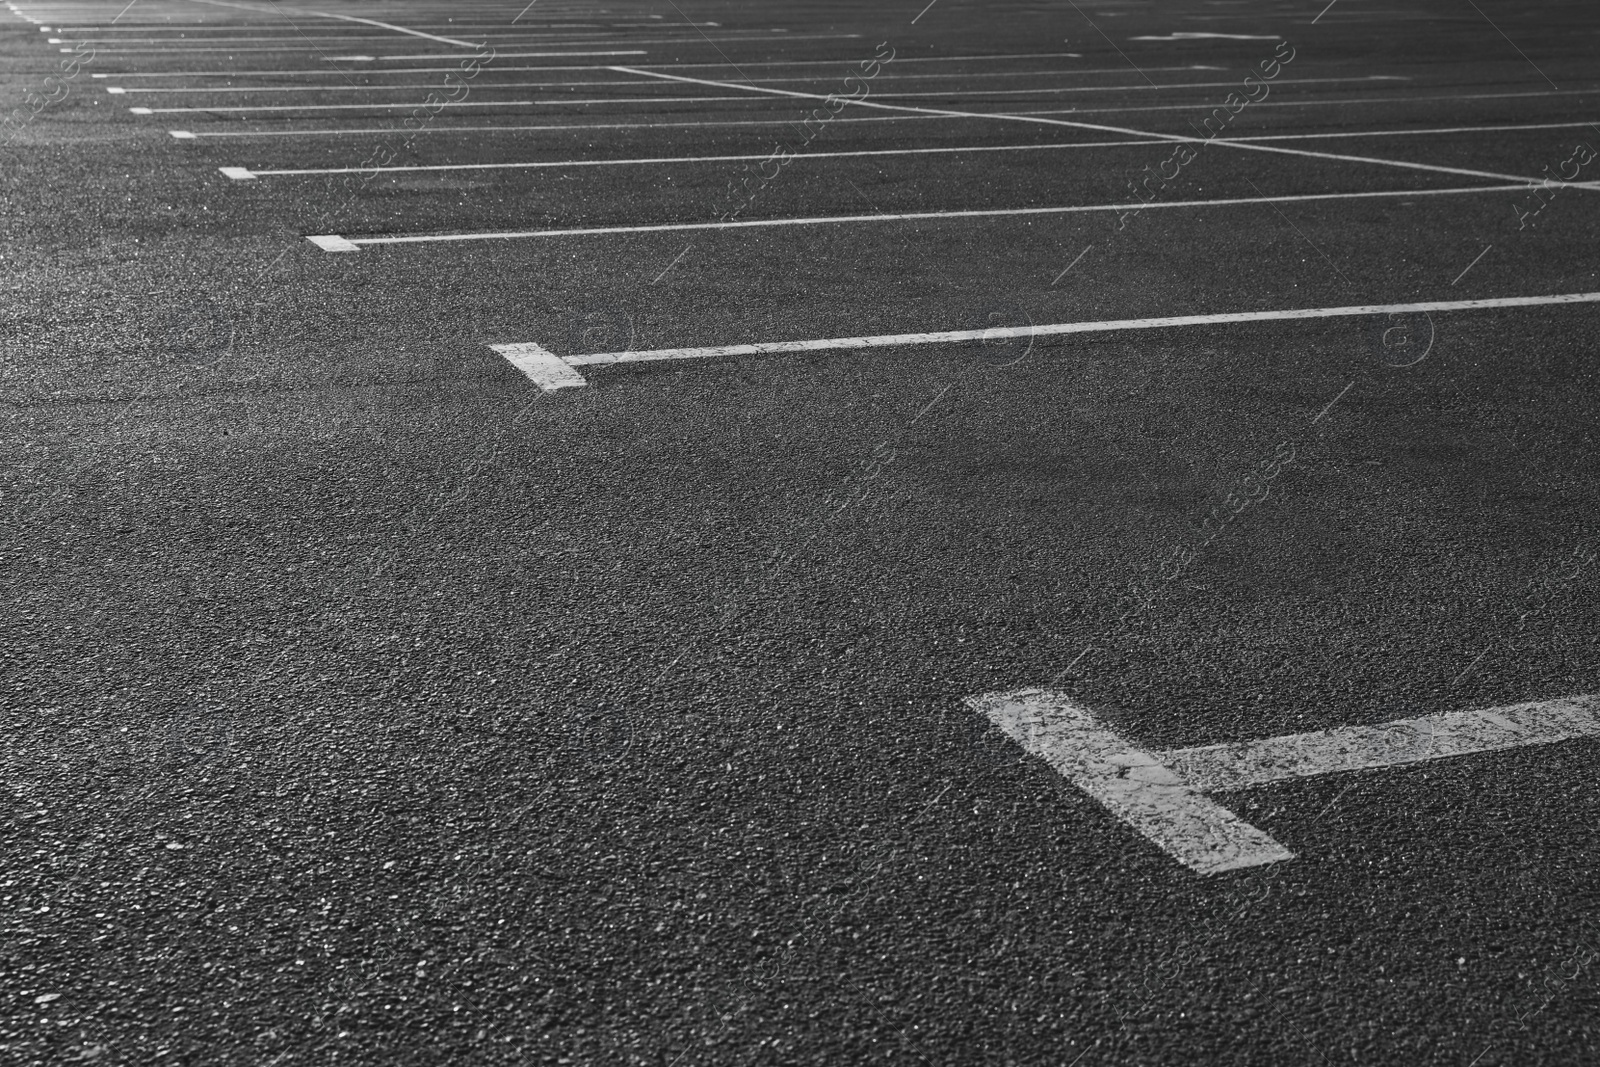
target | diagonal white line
x=898, y=340
x=1039, y=120
x=279, y=9
x=1389, y=744
x=977, y=213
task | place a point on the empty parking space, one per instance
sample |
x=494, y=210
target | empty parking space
x=721, y=532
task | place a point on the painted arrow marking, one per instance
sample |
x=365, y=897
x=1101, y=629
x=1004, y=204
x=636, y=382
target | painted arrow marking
x=1162, y=794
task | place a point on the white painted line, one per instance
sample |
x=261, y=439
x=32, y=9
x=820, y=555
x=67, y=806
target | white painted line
x=544, y=368
x=1317, y=102
x=358, y=131
x=1131, y=87
x=182, y=135
x=333, y=243
x=379, y=105
x=402, y=57
x=977, y=213
x=238, y=174
x=659, y=160
x=555, y=126
x=279, y=10
x=1196, y=831
x=1390, y=744
x=894, y=340
x=1161, y=793
x=138, y=111
x=800, y=79
x=899, y=340
x=596, y=83
x=1084, y=126
x=676, y=66
x=113, y=90
x=1207, y=36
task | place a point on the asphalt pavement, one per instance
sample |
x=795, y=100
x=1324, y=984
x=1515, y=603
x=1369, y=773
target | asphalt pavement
x=1226, y=369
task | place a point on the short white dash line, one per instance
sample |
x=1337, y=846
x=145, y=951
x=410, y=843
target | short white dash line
x=1474, y=263
x=1161, y=793
x=900, y=340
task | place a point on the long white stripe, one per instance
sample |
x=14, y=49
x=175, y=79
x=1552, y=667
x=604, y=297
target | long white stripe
x=1390, y=744
x=378, y=106
x=793, y=78
x=352, y=131
x=660, y=160
x=895, y=340
x=278, y=9
x=658, y=43
x=821, y=220
x=676, y=66
x=556, y=126
x=654, y=160
x=1193, y=829
x=867, y=102
x=240, y=90
x=402, y=57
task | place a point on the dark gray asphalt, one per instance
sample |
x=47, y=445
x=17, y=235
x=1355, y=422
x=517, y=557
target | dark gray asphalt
x=365, y=705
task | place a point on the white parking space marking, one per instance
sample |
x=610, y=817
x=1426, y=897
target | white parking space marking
x=279, y=10
x=544, y=368
x=593, y=82
x=545, y=127
x=1161, y=793
x=676, y=66
x=898, y=340
x=957, y=150
x=1390, y=744
x=241, y=90
x=403, y=104
x=1176, y=138
x=333, y=244
x=1195, y=830
x=1340, y=102
x=914, y=216
x=441, y=129
x=663, y=160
